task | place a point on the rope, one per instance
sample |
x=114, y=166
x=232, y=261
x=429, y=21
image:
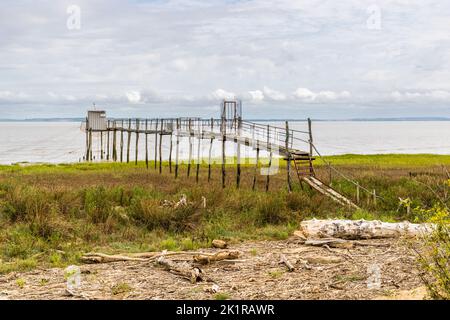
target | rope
x=343, y=175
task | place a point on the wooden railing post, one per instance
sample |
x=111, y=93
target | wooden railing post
x=288, y=164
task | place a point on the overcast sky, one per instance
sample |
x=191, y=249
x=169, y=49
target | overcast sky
x=284, y=59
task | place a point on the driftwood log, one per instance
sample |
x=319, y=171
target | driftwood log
x=94, y=257
x=205, y=258
x=193, y=274
x=361, y=229
x=200, y=257
x=286, y=262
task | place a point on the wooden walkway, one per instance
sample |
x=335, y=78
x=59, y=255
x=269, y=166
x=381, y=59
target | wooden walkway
x=294, y=146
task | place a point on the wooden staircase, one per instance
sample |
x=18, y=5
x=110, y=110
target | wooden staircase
x=303, y=165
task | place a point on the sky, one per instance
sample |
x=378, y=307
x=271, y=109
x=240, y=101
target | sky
x=285, y=59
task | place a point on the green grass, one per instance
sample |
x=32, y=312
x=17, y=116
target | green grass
x=51, y=214
x=389, y=160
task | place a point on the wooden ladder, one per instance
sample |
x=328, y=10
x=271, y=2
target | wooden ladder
x=303, y=165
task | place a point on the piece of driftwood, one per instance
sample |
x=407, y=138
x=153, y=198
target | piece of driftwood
x=94, y=257
x=193, y=274
x=361, y=229
x=341, y=243
x=204, y=258
x=285, y=261
x=335, y=243
x=216, y=243
x=323, y=260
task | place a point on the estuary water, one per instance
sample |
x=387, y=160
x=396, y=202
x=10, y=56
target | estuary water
x=64, y=142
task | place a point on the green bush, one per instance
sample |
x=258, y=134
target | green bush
x=271, y=210
x=434, y=258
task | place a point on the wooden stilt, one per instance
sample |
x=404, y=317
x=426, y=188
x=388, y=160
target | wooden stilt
x=238, y=155
x=137, y=142
x=270, y=159
x=114, y=151
x=121, y=142
x=288, y=164
x=101, y=145
x=223, y=152
x=107, y=140
x=146, y=143
x=86, y=156
x=190, y=149
x=256, y=166
x=210, y=150
x=311, y=148
x=128, y=140
x=170, y=146
x=177, y=147
x=156, y=143
x=160, y=146
x=198, y=158
x=90, y=144
x=268, y=171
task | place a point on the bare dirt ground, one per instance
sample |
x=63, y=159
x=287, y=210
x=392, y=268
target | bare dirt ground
x=320, y=273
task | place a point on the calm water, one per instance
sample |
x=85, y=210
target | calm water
x=57, y=142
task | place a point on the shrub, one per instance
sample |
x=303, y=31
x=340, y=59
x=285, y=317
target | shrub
x=97, y=205
x=271, y=210
x=154, y=216
x=434, y=258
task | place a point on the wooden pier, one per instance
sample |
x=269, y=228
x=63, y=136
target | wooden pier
x=294, y=146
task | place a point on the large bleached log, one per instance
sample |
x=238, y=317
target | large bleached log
x=361, y=229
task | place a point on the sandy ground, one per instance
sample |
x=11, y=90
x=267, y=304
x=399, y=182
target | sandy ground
x=363, y=272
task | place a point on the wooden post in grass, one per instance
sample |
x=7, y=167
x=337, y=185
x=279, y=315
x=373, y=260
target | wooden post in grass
x=128, y=140
x=270, y=158
x=121, y=142
x=107, y=140
x=288, y=159
x=374, y=197
x=86, y=156
x=101, y=145
x=357, y=193
x=223, y=129
x=146, y=143
x=198, y=157
x=311, y=147
x=156, y=142
x=114, y=151
x=177, y=147
x=210, y=150
x=90, y=144
x=170, y=146
x=190, y=149
x=137, y=142
x=238, y=153
x=160, y=145
x=256, y=166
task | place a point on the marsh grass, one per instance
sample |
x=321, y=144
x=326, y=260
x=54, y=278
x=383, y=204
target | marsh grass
x=51, y=214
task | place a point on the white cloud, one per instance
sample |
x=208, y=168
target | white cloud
x=133, y=96
x=425, y=96
x=307, y=95
x=256, y=96
x=221, y=94
x=274, y=95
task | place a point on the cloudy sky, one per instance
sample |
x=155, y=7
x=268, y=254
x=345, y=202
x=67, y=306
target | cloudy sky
x=282, y=58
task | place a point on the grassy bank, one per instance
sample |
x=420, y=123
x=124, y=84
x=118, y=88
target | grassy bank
x=51, y=214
